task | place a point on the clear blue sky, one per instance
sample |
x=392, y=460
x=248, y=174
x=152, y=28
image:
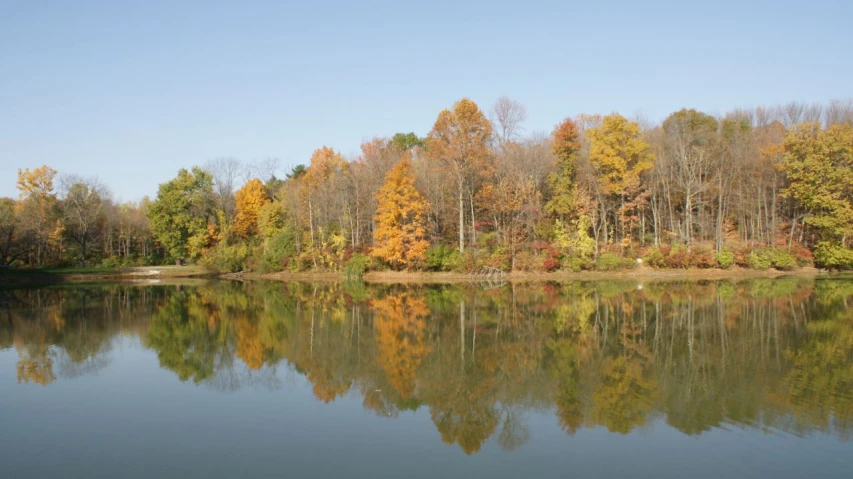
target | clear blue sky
x=133, y=91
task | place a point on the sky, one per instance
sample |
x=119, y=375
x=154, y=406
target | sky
x=130, y=92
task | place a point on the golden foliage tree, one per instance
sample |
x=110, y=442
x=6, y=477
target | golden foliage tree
x=459, y=138
x=619, y=155
x=37, y=204
x=250, y=199
x=401, y=339
x=399, y=234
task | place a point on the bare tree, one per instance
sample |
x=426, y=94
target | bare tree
x=839, y=112
x=225, y=171
x=83, y=204
x=507, y=115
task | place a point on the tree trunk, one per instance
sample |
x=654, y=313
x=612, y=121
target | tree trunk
x=461, y=218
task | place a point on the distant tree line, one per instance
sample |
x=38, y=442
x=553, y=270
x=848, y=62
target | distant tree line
x=760, y=188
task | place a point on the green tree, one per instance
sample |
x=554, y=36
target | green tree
x=565, y=145
x=179, y=216
x=406, y=141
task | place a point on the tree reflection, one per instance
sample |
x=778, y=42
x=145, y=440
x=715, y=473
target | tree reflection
x=764, y=353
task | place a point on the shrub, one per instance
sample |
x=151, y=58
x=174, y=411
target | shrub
x=765, y=258
x=726, y=259
x=655, y=258
x=280, y=248
x=356, y=266
x=227, y=258
x=702, y=257
x=524, y=261
x=760, y=259
x=550, y=263
x=678, y=257
x=576, y=263
x=802, y=254
x=612, y=262
x=784, y=261
x=444, y=258
x=830, y=256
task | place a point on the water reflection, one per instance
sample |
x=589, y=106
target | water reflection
x=765, y=353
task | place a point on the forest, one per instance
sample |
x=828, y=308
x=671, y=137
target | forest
x=768, y=187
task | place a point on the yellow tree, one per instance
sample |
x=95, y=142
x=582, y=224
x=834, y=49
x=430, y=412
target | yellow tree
x=619, y=156
x=459, y=140
x=38, y=204
x=400, y=209
x=324, y=185
x=401, y=339
x=250, y=199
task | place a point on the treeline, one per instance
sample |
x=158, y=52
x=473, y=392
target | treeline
x=768, y=354
x=760, y=188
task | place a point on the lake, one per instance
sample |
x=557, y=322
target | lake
x=577, y=379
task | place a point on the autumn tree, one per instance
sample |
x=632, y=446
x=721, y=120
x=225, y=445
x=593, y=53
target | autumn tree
x=38, y=207
x=819, y=167
x=565, y=144
x=250, y=199
x=399, y=235
x=179, y=216
x=618, y=156
x=401, y=338
x=326, y=182
x=459, y=139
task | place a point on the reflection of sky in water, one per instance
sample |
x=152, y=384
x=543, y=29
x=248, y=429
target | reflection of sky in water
x=120, y=414
x=133, y=419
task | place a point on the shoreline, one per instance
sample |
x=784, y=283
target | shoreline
x=640, y=273
x=171, y=274
x=12, y=278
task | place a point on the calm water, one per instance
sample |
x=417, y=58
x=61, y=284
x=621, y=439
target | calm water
x=586, y=379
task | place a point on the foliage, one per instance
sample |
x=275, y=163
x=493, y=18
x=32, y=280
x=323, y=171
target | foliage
x=251, y=199
x=702, y=256
x=655, y=258
x=278, y=251
x=227, y=258
x=406, y=141
x=765, y=258
x=179, y=216
x=726, y=259
x=833, y=257
x=612, y=262
x=565, y=146
x=441, y=257
x=356, y=266
x=574, y=238
x=819, y=166
x=399, y=234
x=760, y=259
x=459, y=141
